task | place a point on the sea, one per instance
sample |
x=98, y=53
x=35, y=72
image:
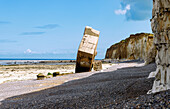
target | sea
x=23, y=61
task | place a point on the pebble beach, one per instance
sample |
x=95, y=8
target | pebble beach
x=122, y=85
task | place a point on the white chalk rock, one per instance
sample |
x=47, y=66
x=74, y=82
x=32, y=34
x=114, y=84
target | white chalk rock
x=160, y=24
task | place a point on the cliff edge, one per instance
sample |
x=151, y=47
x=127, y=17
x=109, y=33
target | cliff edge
x=137, y=46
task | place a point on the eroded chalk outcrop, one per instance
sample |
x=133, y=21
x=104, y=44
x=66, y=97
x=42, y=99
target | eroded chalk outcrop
x=138, y=46
x=160, y=23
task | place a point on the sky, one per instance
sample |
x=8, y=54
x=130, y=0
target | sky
x=53, y=29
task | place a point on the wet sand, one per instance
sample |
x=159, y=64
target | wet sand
x=27, y=72
x=10, y=73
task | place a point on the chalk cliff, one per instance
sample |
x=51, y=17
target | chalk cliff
x=160, y=24
x=137, y=46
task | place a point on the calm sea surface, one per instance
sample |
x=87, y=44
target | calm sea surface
x=23, y=61
x=10, y=61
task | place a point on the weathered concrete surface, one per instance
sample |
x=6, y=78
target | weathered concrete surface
x=160, y=23
x=138, y=46
x=87, y=50
x=97, y=65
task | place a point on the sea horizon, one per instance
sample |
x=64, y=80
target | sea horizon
x=29, y=61
x=37, y=59
x=33, y=59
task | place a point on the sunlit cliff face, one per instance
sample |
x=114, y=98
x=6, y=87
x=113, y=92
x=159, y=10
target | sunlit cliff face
x=136, y=46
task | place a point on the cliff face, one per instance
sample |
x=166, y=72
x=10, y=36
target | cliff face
x=138, y=46
x=160, y=23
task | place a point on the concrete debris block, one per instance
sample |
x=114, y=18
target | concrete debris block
x=87, y=50
x=97, y=65
x=160, y=24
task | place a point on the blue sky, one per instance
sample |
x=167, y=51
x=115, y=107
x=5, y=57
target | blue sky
x=54, y=28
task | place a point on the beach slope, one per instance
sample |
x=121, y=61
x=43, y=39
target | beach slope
x=122, y=87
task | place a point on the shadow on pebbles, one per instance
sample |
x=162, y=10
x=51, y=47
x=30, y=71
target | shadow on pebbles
x=123, y=88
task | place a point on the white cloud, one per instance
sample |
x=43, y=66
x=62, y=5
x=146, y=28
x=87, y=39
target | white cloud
x=28, y=51
x=135, y=10
x=122, y=12
x=128, y=7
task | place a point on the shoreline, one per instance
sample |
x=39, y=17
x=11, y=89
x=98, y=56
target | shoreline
x=33, y=62
x=9, y=73
x=122, y=85
x=50, y=82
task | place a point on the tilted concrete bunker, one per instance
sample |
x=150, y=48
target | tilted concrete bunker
x=87, y=50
